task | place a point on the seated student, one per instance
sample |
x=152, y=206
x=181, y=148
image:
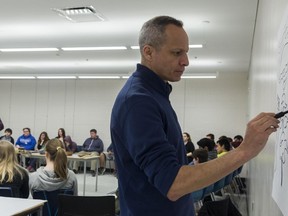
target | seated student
x=11, y=173
x=26, y=141
x=208, y=145
x=7, y=136
x=70, y=146
x=55, y=174
x=237, y=141
x=189, y=146
x=104, y=156
x=40, y=146
x=223, y=146
x=92, y=146
x=200, y=156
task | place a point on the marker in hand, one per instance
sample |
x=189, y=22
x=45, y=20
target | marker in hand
x=280, y=114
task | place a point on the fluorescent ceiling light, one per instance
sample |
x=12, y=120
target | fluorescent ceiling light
x=190, y=46
x=99, y=77
x=93, y=48
x=195, y=46
x=56, y=77
x=135, y=47
x=211, y=75
x=199, y=77
x=17, y=77
x=29, y=49
x=125, y=77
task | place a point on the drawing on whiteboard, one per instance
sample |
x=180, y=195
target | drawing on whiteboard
x=280, y=179
x=282, y=104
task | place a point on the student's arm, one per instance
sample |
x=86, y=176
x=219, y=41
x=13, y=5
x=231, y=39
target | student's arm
x=191, y=178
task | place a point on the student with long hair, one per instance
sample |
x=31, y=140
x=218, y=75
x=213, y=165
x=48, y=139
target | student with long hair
x=55, y=175
x=40, y=146
x=11, y=173
x=189, y=146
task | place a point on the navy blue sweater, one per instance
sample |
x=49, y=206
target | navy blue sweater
x=148, y=147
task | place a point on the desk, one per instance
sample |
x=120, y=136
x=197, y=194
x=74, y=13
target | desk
x=20, y=207
x=73, y=157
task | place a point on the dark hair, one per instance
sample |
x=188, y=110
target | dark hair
x=93, y=130
x=57, y=154
x=26, y=128
x=222, y=137
x=211, y=136
x=45, y=139
x=206, y=142
x=239, y=137
x=225, y=143
x=201, y=154
x=188, y=135
x=153, y=31
x=68, y=139
x=63, y=132
x=9, y=130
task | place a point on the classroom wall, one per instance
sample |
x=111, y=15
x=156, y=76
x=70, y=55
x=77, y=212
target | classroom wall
x=202, y=105
x=262, y=97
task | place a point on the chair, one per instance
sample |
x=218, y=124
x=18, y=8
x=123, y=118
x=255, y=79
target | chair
x=219, y=184
x=111, y=163
x=197, y=195
x=86, y=205
x=6, y=191
x=51, y=206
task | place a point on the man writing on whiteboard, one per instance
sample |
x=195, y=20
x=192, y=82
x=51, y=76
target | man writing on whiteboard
x=154, y=178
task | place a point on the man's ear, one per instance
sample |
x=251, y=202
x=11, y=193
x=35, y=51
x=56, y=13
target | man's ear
x=147, y=52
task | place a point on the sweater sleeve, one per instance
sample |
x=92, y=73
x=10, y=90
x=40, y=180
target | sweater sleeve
x=144, y=128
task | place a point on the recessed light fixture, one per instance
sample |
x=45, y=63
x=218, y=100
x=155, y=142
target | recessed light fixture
x=93, y=48
x=56, y=77
x=80, y=14
x=29, y=49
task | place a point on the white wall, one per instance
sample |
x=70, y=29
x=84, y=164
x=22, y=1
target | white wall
x=262, y=85
x=202, y=105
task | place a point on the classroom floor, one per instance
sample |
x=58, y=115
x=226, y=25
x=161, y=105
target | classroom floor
x=106, y=183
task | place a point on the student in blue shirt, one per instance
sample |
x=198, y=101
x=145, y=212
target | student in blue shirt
x=26, y=141
x=146, y=136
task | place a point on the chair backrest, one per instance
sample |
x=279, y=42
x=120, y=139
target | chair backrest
x=207, y=190
x=219, y=184
x=86, y=205
x=228, y=179
x=51, y=206
x=6, y=191
x=198, y=195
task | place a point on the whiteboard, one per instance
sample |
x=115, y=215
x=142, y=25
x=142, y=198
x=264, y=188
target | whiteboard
x=280, y=179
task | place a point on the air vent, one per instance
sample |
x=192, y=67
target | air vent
x=80, y=14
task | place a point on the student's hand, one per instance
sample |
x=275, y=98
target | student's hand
x=257, y=133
